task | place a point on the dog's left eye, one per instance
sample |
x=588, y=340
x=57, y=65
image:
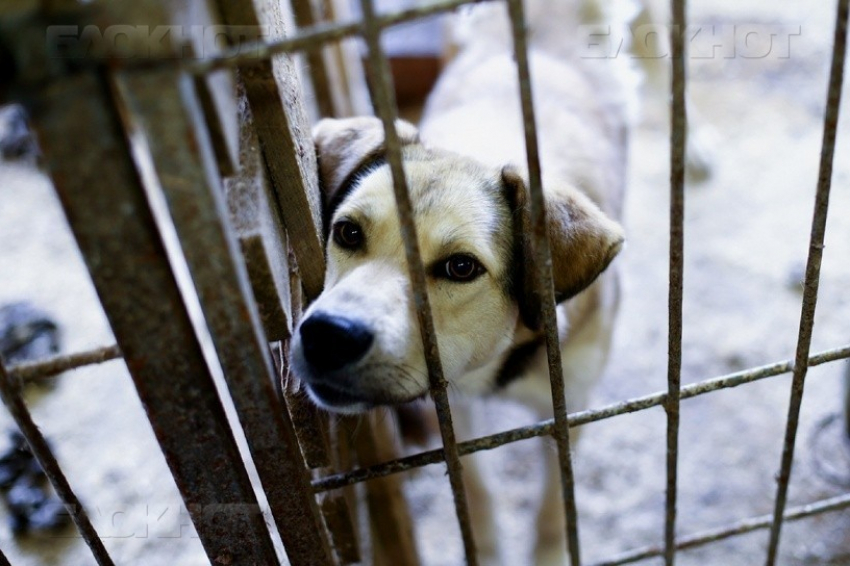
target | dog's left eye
x=348, y=234
x=460, y=267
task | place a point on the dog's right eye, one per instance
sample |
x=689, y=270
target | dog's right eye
x=460, y=268
x=348, y=234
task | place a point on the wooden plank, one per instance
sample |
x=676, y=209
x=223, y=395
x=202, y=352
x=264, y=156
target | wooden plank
x=338, y=517
x=256, y=220
x=106, y=207
x=162, y=108
x=282, y=127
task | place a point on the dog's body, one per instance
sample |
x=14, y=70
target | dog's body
x=583, y=112
x=359, y=344
x=583, y=116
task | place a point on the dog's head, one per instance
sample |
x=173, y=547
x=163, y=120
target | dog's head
x=358, y=344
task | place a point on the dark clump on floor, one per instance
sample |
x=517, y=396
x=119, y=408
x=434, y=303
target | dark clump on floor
x=25, y=490
x=17, y=141
x=27, y=334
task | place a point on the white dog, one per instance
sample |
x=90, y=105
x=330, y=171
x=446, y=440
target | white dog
x=358, y=345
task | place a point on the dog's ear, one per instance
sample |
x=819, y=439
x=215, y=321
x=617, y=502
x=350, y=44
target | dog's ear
x=582, y=238
x=345, y=146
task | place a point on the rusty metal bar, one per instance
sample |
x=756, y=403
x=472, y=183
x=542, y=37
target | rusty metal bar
x=738, y=528
x=385, y=106
x=813, y=264
x=543, y=263
x=678, y=142
x=40, y=370
x=160, y=107
x=104, y=202
x=35, y=371
x=580, y=418
x=10, y=392
x=253, y=53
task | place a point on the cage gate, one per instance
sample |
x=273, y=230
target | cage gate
x=155, y=185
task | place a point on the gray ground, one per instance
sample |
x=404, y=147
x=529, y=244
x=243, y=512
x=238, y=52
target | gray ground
x=746, y=242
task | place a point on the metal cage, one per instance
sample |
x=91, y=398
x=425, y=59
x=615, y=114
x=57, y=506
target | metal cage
x=150, y=155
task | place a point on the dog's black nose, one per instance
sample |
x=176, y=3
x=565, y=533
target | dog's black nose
x=331, y=342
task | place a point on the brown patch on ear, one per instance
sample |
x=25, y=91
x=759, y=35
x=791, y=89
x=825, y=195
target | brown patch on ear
x=583, y=242
x=345, y=146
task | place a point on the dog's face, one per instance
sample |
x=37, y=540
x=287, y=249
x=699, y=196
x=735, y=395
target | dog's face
x=358, y=344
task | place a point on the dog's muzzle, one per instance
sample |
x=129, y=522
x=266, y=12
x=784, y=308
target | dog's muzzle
x=329, y=345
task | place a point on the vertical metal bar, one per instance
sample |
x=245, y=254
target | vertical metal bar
x=10, y=393
x=543, y=261
x=813, y=264
x=384, y=101
x=678, y=143
x=106, y=207
x=160, y=107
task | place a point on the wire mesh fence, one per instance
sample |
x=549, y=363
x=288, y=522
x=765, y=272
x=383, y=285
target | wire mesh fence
x=152, y=160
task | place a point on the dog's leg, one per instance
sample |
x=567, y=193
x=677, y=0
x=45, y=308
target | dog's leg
x=584, y=355
x=551, y=545
x=478, y=495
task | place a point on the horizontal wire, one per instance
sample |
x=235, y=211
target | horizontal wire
x=734, y=529
x=249, y=53
x=544, y=428
x=52, y=366
x=42, y=369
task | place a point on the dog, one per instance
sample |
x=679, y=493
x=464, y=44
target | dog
x=358, y=345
